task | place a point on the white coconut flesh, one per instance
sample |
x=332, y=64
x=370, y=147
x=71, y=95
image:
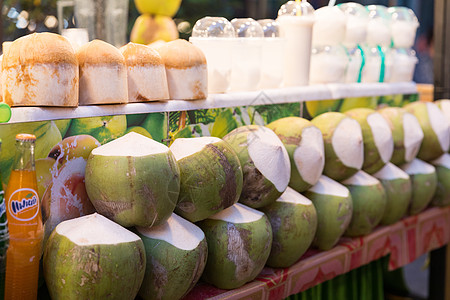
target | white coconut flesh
x=309, y=156
x=445, y=107
x=238, y=214
x=348, y=144
x=361, y=178
x=176, y=231
x=412, y=136
x=382, y=136
x=327, y=186
x=185, y=147
x=439, y=124
x=132, y=144
x=391, y=172
x=443, y=161
x=270, y=157
x=418, y=166
x=292, y=196
x=95, y=229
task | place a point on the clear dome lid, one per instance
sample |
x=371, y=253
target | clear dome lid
x=296, y=8
x=270, y=27
x=378, y=11
x=354, y=9
x=209, y=27
x=399, y=13
x=247, y=27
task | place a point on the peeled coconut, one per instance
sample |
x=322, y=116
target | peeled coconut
x=334, y=206
x=424, y=183
x=211, y=176
x=444, y=105
x=294, y=223
x=398, y=189
x=133, y=180
x=369, y=203
x=239, y=241
x=92, y=257
x=442, y=196
x=176, y=256
x=304, y=144
x=406, y=132
x=435, y=128
x=377, y=137
x=344, y=149
x=265, y=164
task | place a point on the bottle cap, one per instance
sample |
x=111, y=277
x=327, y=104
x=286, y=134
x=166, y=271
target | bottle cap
x=25, y=137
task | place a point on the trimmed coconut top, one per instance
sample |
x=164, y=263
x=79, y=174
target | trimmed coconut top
x=184, y=147
x=439, y=124
x=348, y=144
x=131, y=144
x=418, y=166
x=270, y=156
x=391, y=172
x=382, y=136
x=95, y=229
x=292, y=196
x=327, y=186
x=140, y=55
x=309, y=157
x=443, y=160
x=412, y=136
x=175, y=231
x=445, y=107
x=238, y=214
x=361, y=178
x=98, y=52
x=181, y=54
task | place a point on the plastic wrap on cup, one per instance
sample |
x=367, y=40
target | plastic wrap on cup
x=355, y=65
x=405, y=63
x=215, y=36
x=404, y=26
x=379, y=26
x=296, y=20
x=247, y=53
x=378, y=64
x=328, y=64
x=329, y=28
x=357, y=18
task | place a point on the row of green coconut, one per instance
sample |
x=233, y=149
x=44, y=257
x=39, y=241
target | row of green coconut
x=137, y=182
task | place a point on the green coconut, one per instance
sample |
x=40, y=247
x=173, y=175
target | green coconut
x=92, y=257
x=294, y=223
x=398, y=188
x=369, y=203
x=176, y=256
x=442, y=196
x=133, y=180
x=265, y=164
x=424, y=183
x=344, y=149
x=435, y=128
x=304, y=144
x=377, y=137
x=211, y=176
x=239, y=241
x=334, y=206
x=444, y=105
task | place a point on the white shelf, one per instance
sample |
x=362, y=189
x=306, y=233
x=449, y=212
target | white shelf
x=276, y=96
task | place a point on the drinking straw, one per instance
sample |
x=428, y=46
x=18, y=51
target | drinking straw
x=299, y=11
x=331, y=2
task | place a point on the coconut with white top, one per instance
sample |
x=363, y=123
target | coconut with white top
x=304, y=144
x=176, y=254
x=442, y=196
x=369, y=203
x=146, y=72
x=265, y=164
x=424, y=183
x=211, y=176
x=344, y=148
x=377, y=137
x=444, y=105
x=133, y=180
x=294, y=223
x=239, y=241
x=334, y=206
x=398, y=189
x=92, y=257
x=435, y=128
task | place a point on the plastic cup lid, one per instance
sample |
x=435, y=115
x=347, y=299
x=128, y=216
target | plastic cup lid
x=270, y=27
x=213, y=27
x=378, y=11
x=247, y=27
x=296, y=8
x=399, y=13
x=5, y=113
x=354, y=9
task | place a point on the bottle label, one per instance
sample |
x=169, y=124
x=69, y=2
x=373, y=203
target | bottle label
x=23, y=204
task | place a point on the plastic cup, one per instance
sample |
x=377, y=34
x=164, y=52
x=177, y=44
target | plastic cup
x=404, y=26
x=405, y=63
x=379, y=27
x=378, y=65
x=329, y=27
x=357, y=18
x=354, y=65
x=272, y=73
x=328, y=64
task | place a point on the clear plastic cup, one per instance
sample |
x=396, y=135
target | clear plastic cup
x=378, y=64
x=357, y=18
x=354, y=65
x=404, y=26
x=270, y=27
x=405, y=63
x=379, y=27
x=328, y=64
x=329, y=28
x=296, y=20
x=215, y=36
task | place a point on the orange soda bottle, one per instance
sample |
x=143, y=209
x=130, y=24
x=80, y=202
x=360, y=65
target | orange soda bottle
x=25, y=224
